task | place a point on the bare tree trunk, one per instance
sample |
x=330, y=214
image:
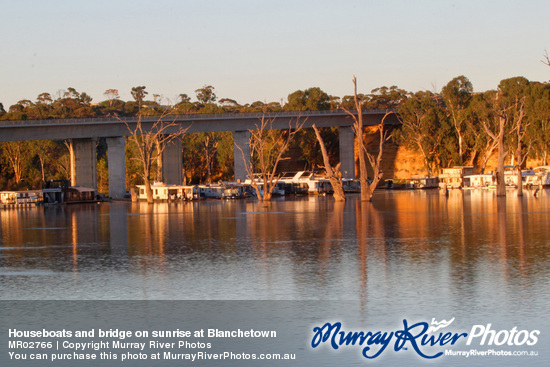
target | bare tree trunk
x=358, y=130
x=149, y=192
x=460, y=149
x=365, y=187
x=376, y=162
x=333, y=173
x=42, y=168
x=501, y=185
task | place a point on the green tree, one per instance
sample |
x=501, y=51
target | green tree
x=538, y=113
x=385, y=98
x=456, y=96
x=206, y=95
x=421, y=118
x=138, y=94
x=18, y=157
x=312, y=99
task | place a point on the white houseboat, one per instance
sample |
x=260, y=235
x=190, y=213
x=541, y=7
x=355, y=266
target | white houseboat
x=511, y=176
x=25, y=197
x=479, y=181
x=162, y=191
x=223, y=191
x=540, y=178
x=453, y=178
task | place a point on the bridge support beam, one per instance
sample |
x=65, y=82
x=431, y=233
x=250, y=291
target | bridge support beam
x=117, y=167
x=241, y=154
x=83, y=162
x=172, y=163
x=347, y=151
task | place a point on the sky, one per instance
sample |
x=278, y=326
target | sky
x=252, y=50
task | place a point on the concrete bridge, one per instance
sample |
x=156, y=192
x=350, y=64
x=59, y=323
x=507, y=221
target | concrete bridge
x=83, y=135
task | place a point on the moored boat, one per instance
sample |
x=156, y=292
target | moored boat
x=59, y=192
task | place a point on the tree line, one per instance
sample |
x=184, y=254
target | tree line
x=454, y=126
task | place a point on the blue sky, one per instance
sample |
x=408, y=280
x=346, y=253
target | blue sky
x=265, y=50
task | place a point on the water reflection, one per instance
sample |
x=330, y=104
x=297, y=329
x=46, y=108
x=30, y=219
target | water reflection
x=419, y=244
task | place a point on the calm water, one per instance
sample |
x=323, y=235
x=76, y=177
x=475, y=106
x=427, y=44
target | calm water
x=413, y=254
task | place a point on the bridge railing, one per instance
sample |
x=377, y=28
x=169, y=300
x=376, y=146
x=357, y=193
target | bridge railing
x=189, y=117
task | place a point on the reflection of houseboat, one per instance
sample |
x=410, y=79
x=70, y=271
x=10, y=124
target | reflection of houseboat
x=162, y=191
x=453, y=178
x=540, y=178
x=59, y=192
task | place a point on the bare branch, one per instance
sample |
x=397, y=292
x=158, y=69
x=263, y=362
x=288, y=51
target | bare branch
x=151, y=142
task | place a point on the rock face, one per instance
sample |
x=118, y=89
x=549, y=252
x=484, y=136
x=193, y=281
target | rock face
x=397, y=161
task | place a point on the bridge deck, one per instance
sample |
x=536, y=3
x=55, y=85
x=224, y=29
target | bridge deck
x=194, y=123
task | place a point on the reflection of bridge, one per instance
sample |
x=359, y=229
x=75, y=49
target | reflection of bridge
x=83, y=134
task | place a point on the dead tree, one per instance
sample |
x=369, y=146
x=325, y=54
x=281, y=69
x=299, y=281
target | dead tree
x=333, y=173
x=520, y=127
x=367, y=189
x=497, y=133
x=358, y=130
x=150, y=141
x=376, y=162
x=267, y=147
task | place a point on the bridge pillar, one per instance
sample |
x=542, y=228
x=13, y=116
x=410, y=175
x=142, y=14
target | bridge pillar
x=117, y=167
x=172, y=163
x=241, y=153
x=83, y=162
x=347, y=151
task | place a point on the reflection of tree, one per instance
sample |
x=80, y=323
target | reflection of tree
x=369, y=225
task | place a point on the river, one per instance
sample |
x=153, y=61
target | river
x=412, y=255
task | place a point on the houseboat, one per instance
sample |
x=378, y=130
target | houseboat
x=453, y=178
x=511, y=176
x=540, y=178
x=278, y=190
x=23, y=198
x=315, y=184
x=479, y=181
x=412, y=183
x=59, y=192
x=223, y=191
x=424, y=182
x=296, y=183
x=162, y=191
